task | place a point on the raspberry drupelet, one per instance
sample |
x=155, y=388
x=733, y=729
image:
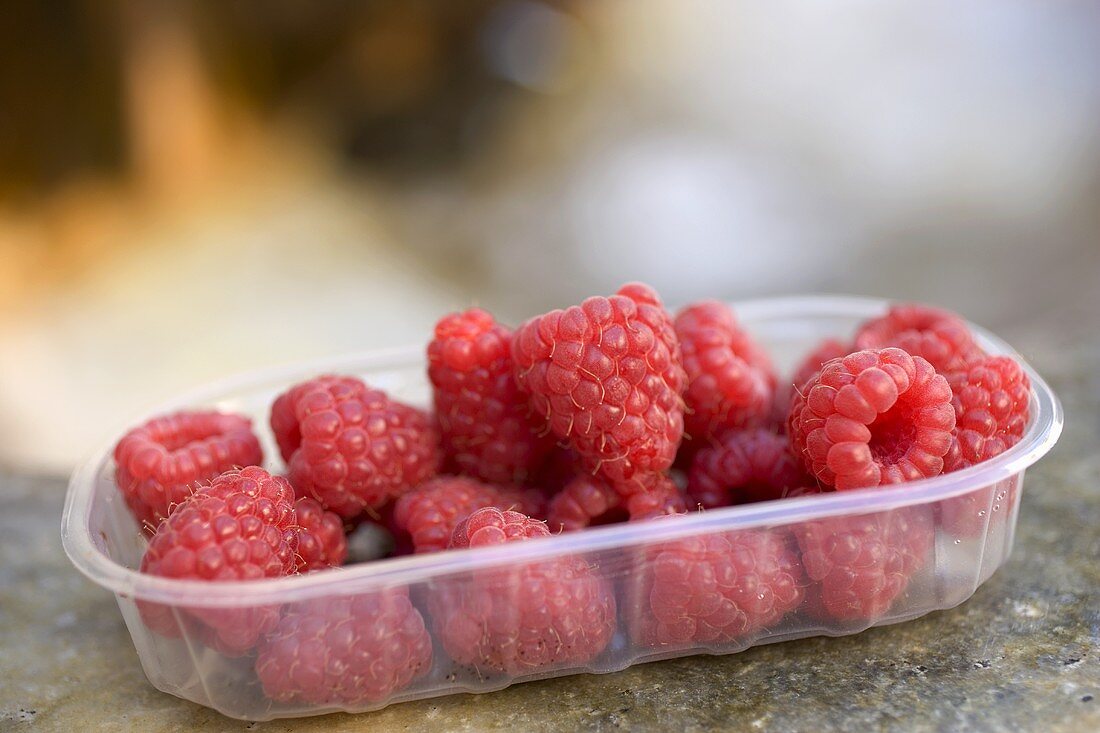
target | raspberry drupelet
x=428, y=514
x=485, y=422
x=353, y=448
x=587, y=501
x=874, y=417
x=731, y=380
x=161, y=461
x=745, y=466
x=349, y=651
x=607, y=378
x=934, y=334
x=713, y=589
x=242, y=526
x=524, y=617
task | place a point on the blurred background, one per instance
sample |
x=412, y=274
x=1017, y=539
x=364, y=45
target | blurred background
x=193, y=189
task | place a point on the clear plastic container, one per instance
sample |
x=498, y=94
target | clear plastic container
x=923, y=546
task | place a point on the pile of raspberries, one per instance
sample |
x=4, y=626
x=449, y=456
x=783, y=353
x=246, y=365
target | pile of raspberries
x=608, y=411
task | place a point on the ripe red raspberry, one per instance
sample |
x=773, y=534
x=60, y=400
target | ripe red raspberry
x=826, y=351
x=713, y=589
x=321, y=539
x=607, y=377
x=992, y=409
x=346, y=651
x=428, y=514
x=485, y=421
x=731, y=381
x=242, y=526
x=159, y=463
x=358, y=448
x=284, y=411
x=523, y=617
x=745, y=466
x=873, y=418
x=587, y=501
x=861, y=565
x=936, y=335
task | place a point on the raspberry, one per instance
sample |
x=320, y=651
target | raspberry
x=346, y=651
x=666, y=498
x=284, y=411
x=242, y=526
x=607, y=377
x=159, y=462
x=358, y=448
x=936, y=335
x=714, y=588
x=862, y=564
x=321, y=539
x=991, y=402
x=826, y=351
x=745, y=466
x=521, y=618
x=874, y=417
x=485, y=421
x=429, y=513
x=992, y=409
x=587, y=501
x=731, y=381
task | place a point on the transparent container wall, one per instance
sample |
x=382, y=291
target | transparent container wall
x=596, y=601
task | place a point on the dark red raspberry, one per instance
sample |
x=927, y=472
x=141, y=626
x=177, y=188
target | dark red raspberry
x=936, y=335
x=713, y=589
x=992, y=409
x=561, y=466
x=587, y=501
x=826, y=351
x=607, y=377
x=242, y=526
x=485, y=421
x=873, y=418
x=745, y=466
x=345, y=651
x=359, y=449
x=862, y=564
x=321, y=539
x=428, y=514
x=159, y=463
x=731, y=381
x=523, y=617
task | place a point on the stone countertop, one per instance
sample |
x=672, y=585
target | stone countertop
x=1022, y=654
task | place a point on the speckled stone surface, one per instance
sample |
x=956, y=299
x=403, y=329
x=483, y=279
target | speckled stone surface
x=1023, y=654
